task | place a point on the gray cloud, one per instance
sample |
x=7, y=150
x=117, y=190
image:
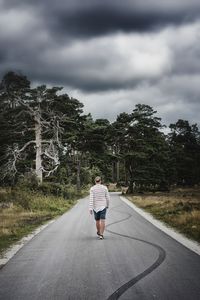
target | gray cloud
x=111, y=55
x=96, y=17
x=173, y=98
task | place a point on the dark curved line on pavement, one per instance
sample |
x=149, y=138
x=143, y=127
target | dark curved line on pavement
x=133, y=281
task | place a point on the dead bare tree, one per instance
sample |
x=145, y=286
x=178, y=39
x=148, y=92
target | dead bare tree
x=35, y=105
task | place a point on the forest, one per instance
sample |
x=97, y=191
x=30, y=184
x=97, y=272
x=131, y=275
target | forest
x=46, y=139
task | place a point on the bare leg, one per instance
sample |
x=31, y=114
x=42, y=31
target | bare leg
x=98, y=226
x=102, y=226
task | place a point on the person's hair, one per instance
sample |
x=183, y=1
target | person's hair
x=98, y=179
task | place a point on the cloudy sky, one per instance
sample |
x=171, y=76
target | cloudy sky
x=109, y=54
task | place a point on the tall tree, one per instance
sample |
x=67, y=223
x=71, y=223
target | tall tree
x=39, y=117
x=12, y=88
x=142, y=147
x=184, y=141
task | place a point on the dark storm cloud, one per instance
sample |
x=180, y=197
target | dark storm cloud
x=102, y=17
x=116, y=53
x=94, y=22
x=74, y=18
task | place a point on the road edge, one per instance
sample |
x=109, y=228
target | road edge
x=11, y=251
x=192, y=245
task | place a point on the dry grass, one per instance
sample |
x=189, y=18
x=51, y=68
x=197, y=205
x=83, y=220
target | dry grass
x=26, y=212
x=11, y=219
x=16, y=222
x=179, y=209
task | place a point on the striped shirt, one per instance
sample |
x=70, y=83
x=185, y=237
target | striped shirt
x=99, y=197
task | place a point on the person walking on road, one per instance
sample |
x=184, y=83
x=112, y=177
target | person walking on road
x=99, y=202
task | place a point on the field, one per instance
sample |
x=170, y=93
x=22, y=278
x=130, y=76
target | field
x=22, y=211
x=179, y=209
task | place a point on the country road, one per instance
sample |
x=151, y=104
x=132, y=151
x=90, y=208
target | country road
x=135, y=261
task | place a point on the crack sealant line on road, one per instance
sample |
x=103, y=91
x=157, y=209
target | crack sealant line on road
x=162, y=254
x=194, y=246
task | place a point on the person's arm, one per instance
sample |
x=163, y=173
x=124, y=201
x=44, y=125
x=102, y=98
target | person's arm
x=107, y=198
x=91, y=201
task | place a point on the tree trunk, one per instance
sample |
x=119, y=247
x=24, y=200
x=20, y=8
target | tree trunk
x=78, y=182
x=113, y=171
x=38, y=140
x=130, y=188
x=125, y=174
x=118, y=167
x=131, y=180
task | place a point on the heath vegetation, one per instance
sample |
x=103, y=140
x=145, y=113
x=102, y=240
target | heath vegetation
x=179, y=209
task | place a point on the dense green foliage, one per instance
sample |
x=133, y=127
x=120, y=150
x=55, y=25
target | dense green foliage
x=44, y=133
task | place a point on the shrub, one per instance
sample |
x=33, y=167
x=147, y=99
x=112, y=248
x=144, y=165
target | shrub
x=21, y=197
x=28, y=181
x=51, y=188
x=5, y=195
x=67, y=191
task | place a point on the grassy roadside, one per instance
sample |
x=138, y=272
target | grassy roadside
x=24, y=211
x=179, y=209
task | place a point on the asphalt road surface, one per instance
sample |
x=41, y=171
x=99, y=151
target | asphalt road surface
x=135, y=261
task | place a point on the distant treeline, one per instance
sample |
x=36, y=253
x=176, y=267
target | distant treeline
x=45, y=135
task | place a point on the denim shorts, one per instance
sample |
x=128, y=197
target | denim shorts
x=100, y=215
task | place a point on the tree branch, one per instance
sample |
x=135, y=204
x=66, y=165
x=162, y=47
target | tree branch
x=25, y=146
